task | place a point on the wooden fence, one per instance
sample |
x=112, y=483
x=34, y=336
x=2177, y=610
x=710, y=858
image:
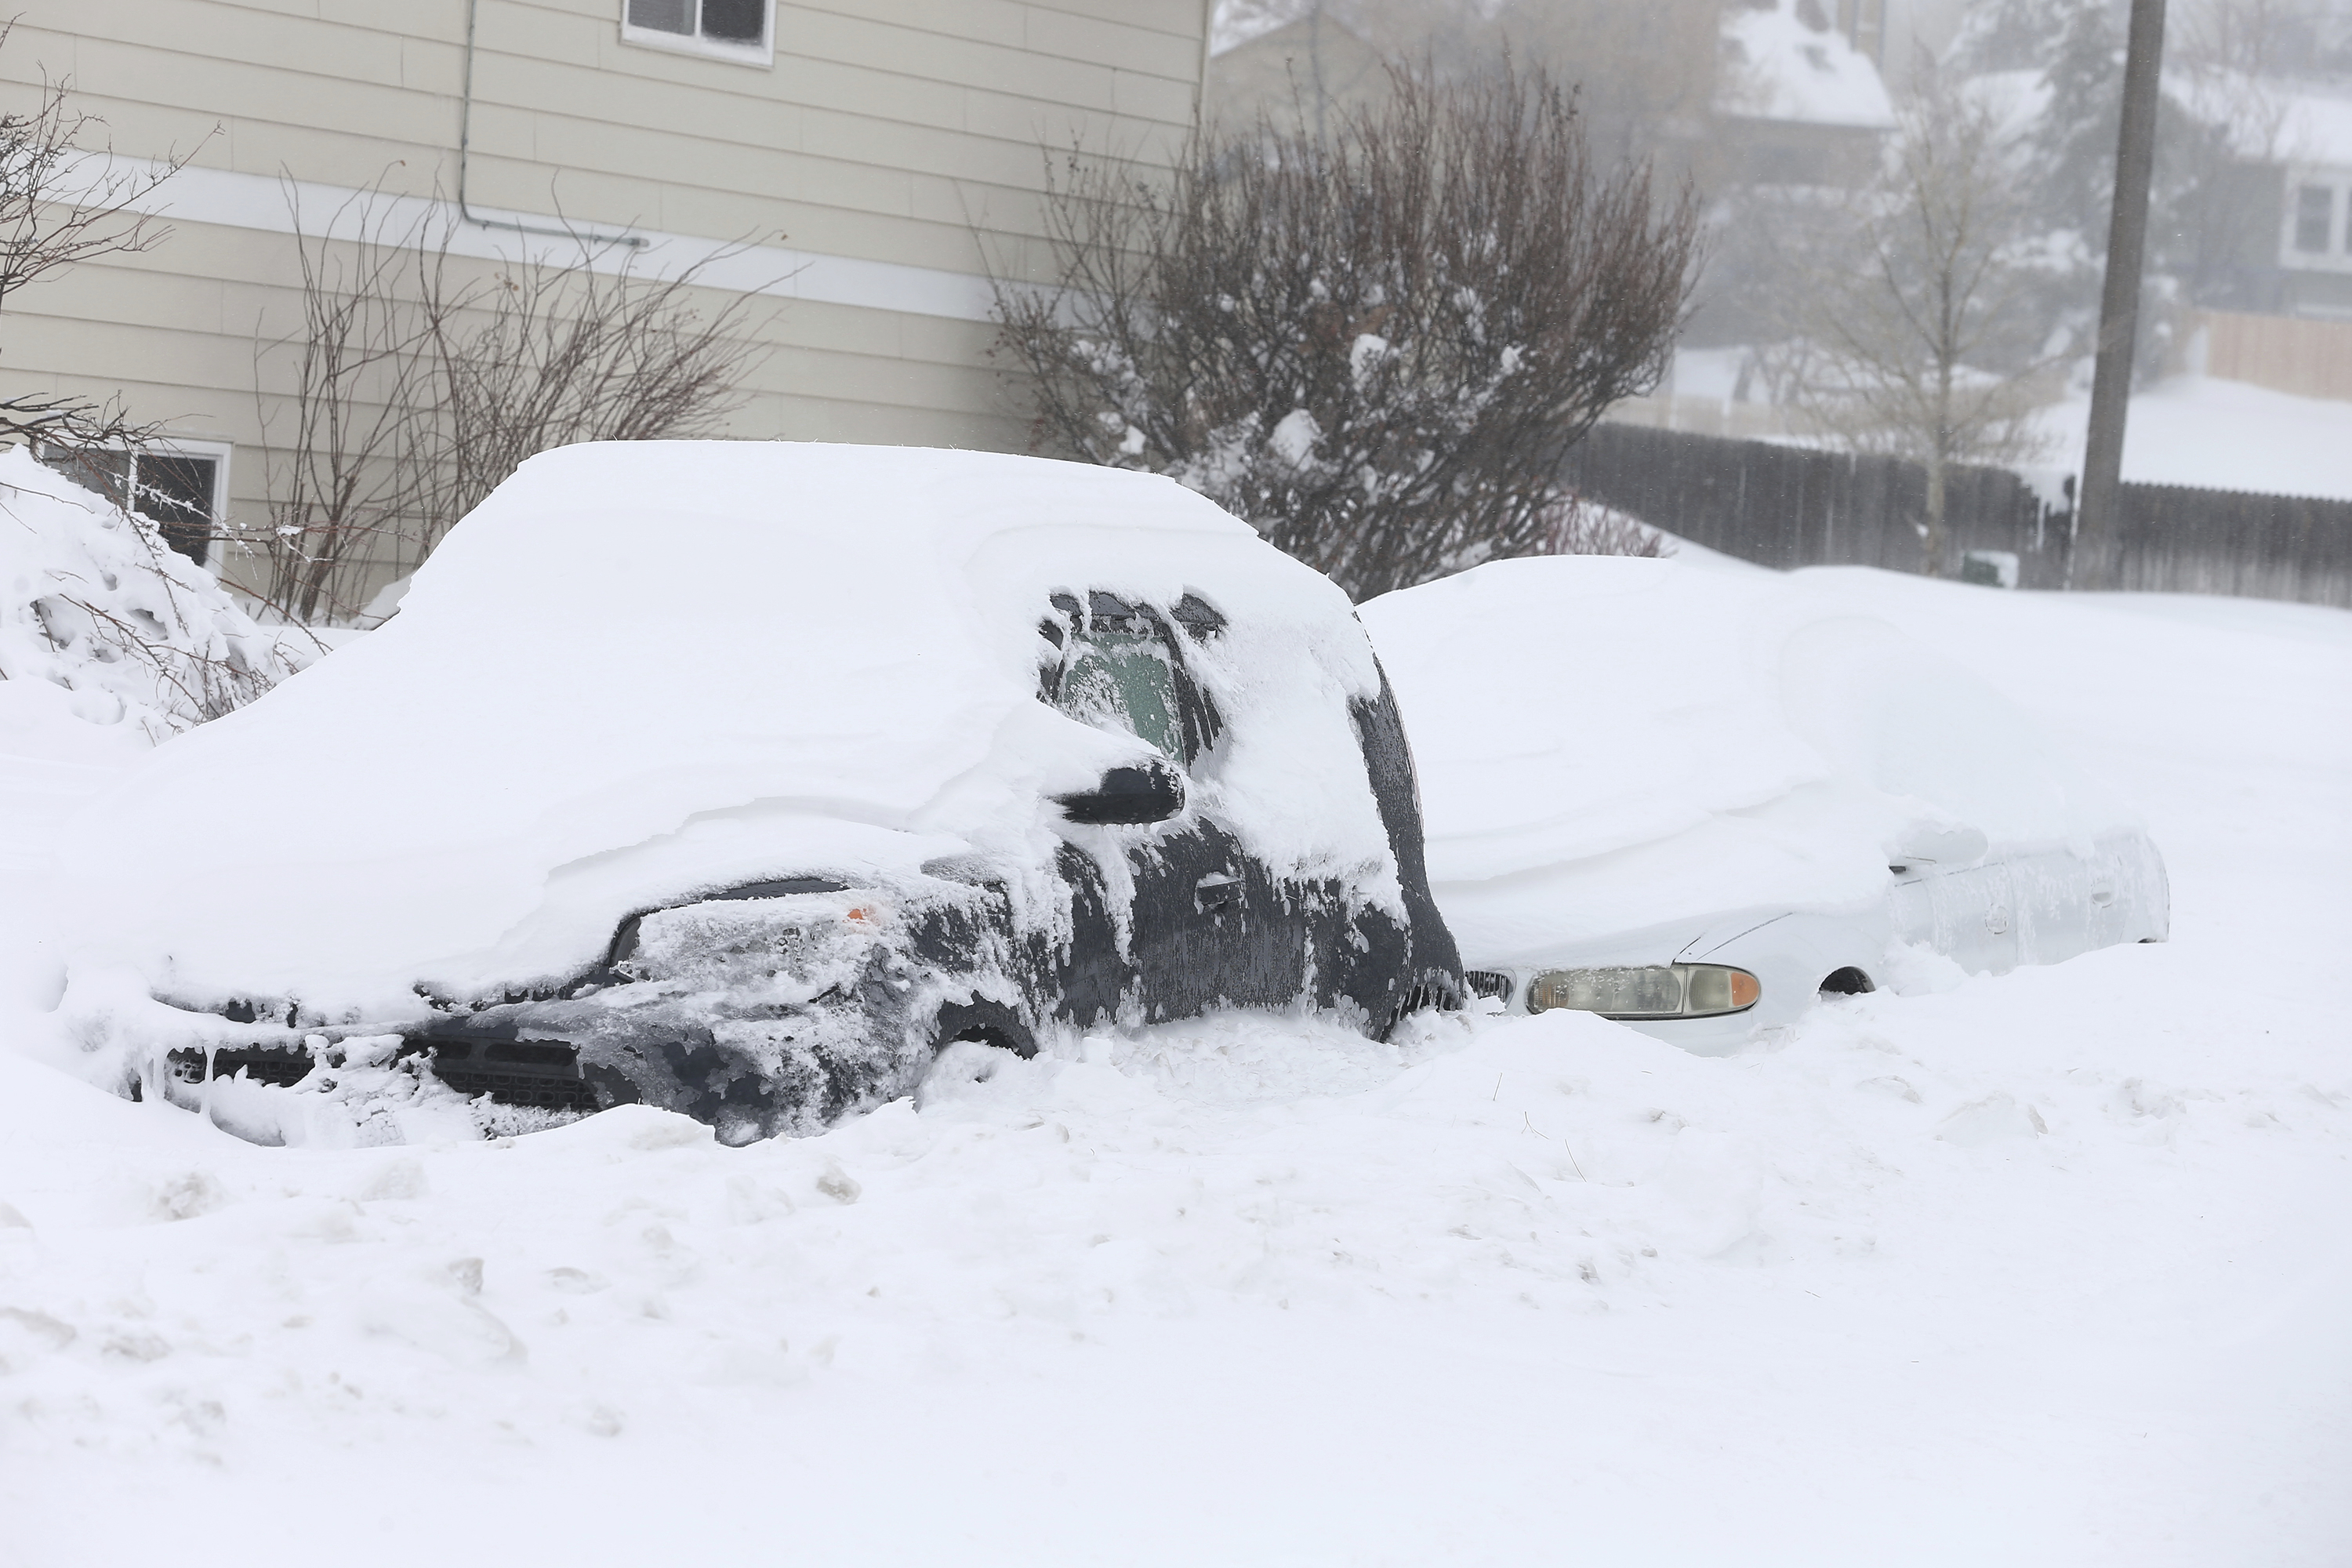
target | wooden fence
x=1795, y=506
x=2287, y=354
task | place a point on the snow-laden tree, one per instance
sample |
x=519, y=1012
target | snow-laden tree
x=1374, y=347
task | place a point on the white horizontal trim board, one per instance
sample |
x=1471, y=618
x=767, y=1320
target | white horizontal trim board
x=237, y=200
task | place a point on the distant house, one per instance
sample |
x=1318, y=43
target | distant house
x=866, y=149
x=2309, y=179
x=1799, y=98
x=1302, y=70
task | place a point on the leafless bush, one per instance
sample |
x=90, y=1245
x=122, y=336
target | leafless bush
x=1375, y=349
x=62, y=203
x=353, y=472
x=420, y=384
x=1576, y=527
x=195, y=679
x=553, y=351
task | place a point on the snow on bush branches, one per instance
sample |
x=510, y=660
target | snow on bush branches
x=1375, y=346
x=96, y=603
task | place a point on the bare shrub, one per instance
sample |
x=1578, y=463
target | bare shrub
x=1574, y=526
x=95, y=600
x=1375, y=348
x=420, y=384
x=554, y=350
x=352, y=475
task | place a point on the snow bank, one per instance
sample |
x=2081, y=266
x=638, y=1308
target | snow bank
x=642, y=670
x=102, y=626
x=2047, y=1271
x=1606, y=744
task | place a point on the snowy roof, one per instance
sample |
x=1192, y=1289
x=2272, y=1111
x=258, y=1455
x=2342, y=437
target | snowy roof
x=642, y=670
x=1239, y=22
x=1786, y=62
x=2316, y=128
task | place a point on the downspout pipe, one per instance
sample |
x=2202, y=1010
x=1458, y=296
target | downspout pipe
x=465, y=148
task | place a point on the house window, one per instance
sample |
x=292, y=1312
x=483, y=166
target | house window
x=182, y=488
x=2315, y=219
x=724, y=29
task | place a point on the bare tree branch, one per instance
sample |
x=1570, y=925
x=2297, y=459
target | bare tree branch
x=1926, y=351
x=61, y=204
x=420, y=384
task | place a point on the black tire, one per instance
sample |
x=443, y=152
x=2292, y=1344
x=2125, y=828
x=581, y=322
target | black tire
x=1846, y=981
x=990, y=1023
x=1431, y=994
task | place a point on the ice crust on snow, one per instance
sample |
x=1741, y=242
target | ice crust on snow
x=644, y=670
x=1608, y=744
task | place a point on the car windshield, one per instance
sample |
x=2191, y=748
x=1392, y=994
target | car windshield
x=1121, y=680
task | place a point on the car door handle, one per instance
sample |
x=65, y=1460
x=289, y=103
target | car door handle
x=1217, y=894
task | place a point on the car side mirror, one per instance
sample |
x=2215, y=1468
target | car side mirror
x=1927, y=844
x=1153, y=792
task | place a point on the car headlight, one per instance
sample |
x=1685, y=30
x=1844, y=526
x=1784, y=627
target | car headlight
x=1647, y=990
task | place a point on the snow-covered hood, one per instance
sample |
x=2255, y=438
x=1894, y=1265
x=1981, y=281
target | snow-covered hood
x=642, y=670
x=1607, y=744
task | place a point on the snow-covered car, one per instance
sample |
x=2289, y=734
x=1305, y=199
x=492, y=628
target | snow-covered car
x=738, y=779
x=1697, y=797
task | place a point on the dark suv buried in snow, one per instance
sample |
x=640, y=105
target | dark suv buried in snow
x=1170, y=779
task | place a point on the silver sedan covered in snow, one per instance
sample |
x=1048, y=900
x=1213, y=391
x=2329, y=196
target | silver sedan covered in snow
x=1698, y=798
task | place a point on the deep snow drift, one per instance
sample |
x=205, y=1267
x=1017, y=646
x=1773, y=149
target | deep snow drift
x=2046, y=1269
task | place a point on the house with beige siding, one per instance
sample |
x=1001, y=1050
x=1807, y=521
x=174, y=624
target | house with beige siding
x=858, y=157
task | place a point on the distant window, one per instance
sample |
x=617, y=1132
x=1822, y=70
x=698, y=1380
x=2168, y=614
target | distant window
x=728, y=30
x=180, y=490
x=2315, y=219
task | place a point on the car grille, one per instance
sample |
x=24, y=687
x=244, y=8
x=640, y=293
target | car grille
x=282, y=1066
x=1490, y=983
x=543, y=1073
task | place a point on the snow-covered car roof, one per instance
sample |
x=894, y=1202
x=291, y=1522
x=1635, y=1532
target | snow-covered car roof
x=642, y=670
x=1608, y=744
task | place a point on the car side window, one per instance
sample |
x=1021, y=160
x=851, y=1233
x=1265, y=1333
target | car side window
x=1121, y=680
x=1121, y=666
x=1116, y=671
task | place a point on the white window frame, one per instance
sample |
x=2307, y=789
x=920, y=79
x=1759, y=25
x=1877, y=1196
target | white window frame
x=764, y=57
x=2337, y=256
x=221, y=453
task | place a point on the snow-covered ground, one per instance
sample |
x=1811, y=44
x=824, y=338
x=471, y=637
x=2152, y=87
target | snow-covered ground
x=2220, y=435
x=2048, y=1268
x=2197, y=430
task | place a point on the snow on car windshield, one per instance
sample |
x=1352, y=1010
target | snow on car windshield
x=639, y=671
x=1608, y=744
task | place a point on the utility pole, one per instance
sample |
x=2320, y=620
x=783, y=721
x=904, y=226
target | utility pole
x=2094, y=559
